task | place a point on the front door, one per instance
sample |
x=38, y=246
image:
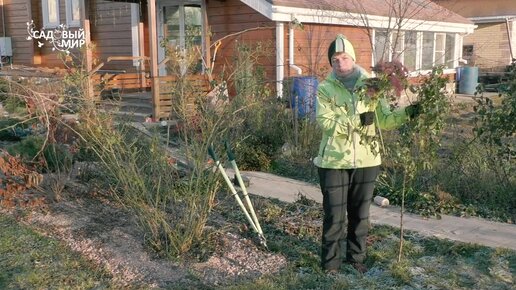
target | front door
x=179, y=30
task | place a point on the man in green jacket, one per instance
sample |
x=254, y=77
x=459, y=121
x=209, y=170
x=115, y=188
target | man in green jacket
x=347, y=162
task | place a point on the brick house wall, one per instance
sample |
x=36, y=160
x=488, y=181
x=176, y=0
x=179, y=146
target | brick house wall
x=490, y=46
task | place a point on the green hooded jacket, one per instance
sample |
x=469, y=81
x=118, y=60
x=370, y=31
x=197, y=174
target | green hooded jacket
x=338, y=115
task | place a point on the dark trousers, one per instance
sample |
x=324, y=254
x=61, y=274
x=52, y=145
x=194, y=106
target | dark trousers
x=347, y=195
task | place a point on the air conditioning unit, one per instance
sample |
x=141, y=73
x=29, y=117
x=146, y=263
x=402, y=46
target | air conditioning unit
x=6, y=48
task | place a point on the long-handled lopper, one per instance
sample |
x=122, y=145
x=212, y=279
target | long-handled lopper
x=252, y=219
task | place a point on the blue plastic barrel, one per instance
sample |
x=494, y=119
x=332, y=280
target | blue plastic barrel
x=468, y=80
x=304, y=93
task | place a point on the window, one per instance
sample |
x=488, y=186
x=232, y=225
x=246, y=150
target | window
x=180, y=27
x=450, y=51
x=440, y=49
x=410, y=52
x=381, y=46
x=398, y=45
x=416, y=50
x=50, y=13
x=193, y=25
x=427, y=59
x=73, y=13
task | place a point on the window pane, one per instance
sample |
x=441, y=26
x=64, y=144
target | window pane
x=440, y=48
x=410, y=50
x=450, y=50
x=53, y=11
x=428, y=50
x=171, y=28
x=398, y=45
x=381, y=49
x=193, y=25
x=76, y=10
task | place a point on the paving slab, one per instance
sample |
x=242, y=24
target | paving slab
x=463, y=229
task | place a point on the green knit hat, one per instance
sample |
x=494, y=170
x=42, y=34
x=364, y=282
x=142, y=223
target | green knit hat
x=341, y=44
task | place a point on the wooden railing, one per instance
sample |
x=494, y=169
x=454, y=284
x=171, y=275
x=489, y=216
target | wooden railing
x=119, y=82
x=174, y=91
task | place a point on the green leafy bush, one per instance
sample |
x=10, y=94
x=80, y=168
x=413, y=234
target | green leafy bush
x=51, y=157
x=11, y=129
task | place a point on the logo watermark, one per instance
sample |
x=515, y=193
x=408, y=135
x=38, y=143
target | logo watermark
x=61, y=38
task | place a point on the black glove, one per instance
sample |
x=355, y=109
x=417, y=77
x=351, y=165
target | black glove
x=367, y=118
x=413, y=110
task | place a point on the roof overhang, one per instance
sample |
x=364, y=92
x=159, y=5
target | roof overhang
x=308, y=15
x=492, y=19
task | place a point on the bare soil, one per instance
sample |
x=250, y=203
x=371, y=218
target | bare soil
x=108, y=235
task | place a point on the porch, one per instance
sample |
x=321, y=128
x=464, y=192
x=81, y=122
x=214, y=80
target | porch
x=141, y=81
x=124, y=95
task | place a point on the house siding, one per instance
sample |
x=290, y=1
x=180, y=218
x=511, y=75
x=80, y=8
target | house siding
x=310, y=42
x=311, y=47
x=111, y=33
x=233, y=17
x=17, y=13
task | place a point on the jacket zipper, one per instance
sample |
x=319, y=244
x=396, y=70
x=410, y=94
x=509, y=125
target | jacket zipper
x=353, y=132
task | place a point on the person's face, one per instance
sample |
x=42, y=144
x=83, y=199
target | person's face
x=342, y=63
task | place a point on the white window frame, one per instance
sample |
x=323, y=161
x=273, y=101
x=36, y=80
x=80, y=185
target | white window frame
x=46, y=13
x=419, y=50
x=70, y=22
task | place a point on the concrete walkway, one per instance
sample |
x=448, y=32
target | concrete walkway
x=469, y=230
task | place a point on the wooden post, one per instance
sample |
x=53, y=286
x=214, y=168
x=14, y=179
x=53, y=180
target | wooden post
x=142, y=53
x=88, y=59
x=153, y=53
x=207, y=40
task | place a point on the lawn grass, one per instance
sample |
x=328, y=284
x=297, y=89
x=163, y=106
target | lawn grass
x=428, y=263
x=29, y=260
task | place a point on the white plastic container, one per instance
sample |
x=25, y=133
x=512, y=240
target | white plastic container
x=381, y=201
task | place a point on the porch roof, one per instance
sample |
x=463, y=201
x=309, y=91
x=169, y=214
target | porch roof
x=417, y=14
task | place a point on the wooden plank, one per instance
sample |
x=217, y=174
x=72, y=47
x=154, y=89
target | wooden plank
x=107, y=36
x=238, y=27
x=237, y=18
x=227, y=10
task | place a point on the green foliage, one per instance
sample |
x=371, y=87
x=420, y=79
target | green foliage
x=269, y=129
x=14, y=105
x=470, y=175
x=28, y=149
x=11, y=129
x=412, y=150
x=57, y=157
x=258, y=117
x=52, y=157
x=4, y=89
x=496, y=126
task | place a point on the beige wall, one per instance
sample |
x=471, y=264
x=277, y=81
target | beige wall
x=490, y=46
